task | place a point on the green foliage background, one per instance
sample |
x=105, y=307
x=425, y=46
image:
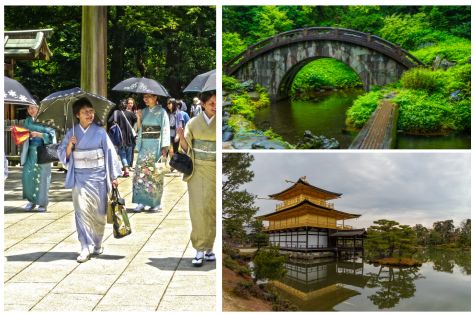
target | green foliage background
x=171, y=44
x=430, y=33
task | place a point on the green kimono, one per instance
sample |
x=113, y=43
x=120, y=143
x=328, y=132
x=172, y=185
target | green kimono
x=36, y=178
x=201, y=140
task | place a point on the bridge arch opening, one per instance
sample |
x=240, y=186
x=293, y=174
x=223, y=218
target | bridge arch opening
x=313, y=75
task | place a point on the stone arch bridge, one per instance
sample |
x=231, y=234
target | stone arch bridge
x=274, y=62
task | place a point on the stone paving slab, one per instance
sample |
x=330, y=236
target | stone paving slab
x=149, y=270
x=187, y=303
x=67, y=302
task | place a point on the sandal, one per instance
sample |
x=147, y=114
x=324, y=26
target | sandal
x=197, y=262
x=210, y=257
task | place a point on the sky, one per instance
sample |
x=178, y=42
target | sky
x=410, y=188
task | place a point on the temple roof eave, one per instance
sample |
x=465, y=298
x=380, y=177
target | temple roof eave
x=278, y=196
x=341, y=214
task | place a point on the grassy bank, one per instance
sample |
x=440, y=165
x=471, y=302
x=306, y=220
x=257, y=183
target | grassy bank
x=323, y=74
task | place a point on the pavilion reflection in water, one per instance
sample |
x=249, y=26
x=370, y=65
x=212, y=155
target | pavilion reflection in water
x=321, y=284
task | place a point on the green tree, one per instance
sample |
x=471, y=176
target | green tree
x=387, y=237
x=232, y=45
x=446, y=230
x=269, y=264
x=171, y=44
x=238, y=206
x=464, y=239
x=257, y=237
x=267, y=22
x=422, y=234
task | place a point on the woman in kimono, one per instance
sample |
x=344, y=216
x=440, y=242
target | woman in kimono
x=93, y=168
x=152, y=142
x=36, y=178
x=199, y=141
x=176, y=121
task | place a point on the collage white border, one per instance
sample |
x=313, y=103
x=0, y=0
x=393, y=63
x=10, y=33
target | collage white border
x=219, y=4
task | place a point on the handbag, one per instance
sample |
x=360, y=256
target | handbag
x=162, y=167
x=47, y=153
x=20, y=134
x=182, y=163
x=120, y=219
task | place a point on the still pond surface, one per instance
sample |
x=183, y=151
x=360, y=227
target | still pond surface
x=326, y=116
x=442, y=283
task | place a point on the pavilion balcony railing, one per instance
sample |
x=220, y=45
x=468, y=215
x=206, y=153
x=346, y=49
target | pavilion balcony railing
x=344, y=227
x=299, y=199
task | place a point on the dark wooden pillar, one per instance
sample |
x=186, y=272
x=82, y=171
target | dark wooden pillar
x=94, y=50
x=306, y=234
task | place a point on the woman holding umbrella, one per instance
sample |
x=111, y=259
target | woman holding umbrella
x=93, y=167
x=36, y=178
x=198, y=139
x=152, y=143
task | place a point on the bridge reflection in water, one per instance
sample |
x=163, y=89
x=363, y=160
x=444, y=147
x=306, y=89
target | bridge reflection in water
x=320, y=285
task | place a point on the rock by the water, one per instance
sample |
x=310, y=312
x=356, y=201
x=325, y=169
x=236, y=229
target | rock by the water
x=227, y=136
x=311, y=141
x=254, y=140
x=248, y=85
x=254, y=95
x=390, y=95
x=267, y=144
x=455, y=95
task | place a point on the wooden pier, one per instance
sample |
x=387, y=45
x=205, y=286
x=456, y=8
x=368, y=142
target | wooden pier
x=380, y=130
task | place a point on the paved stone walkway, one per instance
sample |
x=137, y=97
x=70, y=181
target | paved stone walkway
x=149, y=270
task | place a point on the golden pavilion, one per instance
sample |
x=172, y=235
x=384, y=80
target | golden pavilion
x=306, y=222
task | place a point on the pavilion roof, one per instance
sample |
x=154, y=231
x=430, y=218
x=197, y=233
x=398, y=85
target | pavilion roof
x=349, y=233
x=308, y=205
x=303, y=187
x=27, y=44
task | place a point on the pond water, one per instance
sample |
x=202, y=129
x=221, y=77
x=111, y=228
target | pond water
x=323, y=116
x=442, y=283
x=326, y=116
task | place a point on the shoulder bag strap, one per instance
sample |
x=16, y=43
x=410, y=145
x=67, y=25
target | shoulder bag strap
x=128, y=123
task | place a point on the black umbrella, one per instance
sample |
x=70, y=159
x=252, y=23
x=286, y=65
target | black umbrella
x=202, y=83
x=141, y=85
x=15, y=93
x=56, y=110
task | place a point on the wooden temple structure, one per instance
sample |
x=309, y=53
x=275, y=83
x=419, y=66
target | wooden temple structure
x=305, y=222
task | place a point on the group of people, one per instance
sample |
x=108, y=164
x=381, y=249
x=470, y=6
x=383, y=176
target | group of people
x=93, y=165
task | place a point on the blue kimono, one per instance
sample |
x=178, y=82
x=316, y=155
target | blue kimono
x=92, y=166
x=36, y=179
x=152, y=137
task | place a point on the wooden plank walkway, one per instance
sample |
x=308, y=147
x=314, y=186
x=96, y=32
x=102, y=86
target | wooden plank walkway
x=380, y=130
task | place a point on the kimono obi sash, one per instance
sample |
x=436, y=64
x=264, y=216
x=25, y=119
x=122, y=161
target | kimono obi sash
x=204, y=150
x=88, y=158
x=151, y=131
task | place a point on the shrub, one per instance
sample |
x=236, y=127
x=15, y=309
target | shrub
x=230, y=263
x=362, y=109
x=323, y=72
x=454, y=49
x=269, y=264
x=243, y=289
x=419, y=112
x=420, y=78
x=231, y=84
x=461, y=115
